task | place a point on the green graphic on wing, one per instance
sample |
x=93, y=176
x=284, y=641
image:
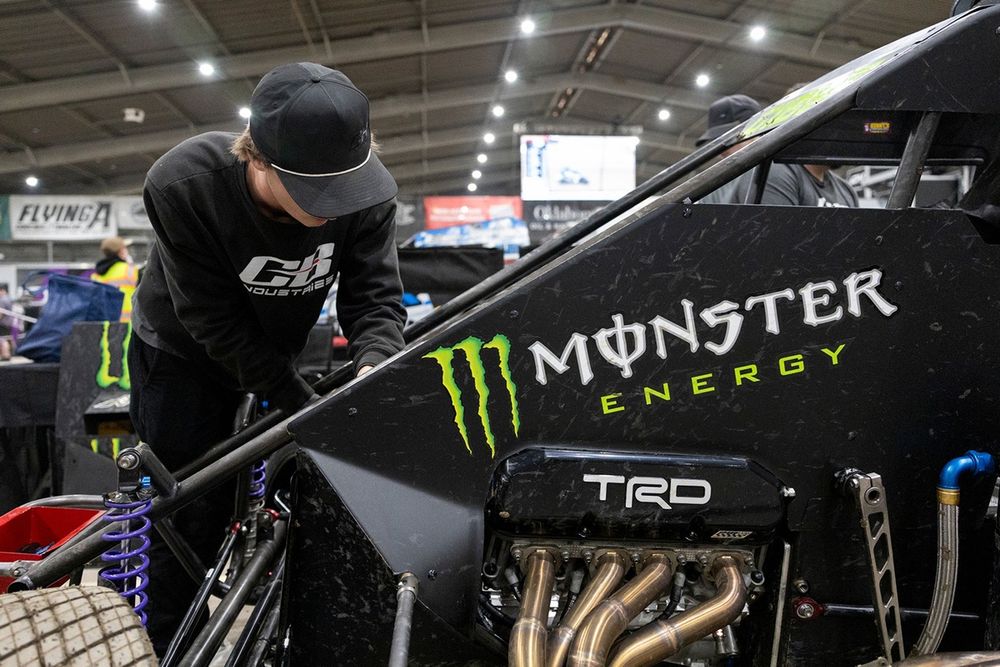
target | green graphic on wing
x=472, y=348
x=444, y=357
x=501, y=344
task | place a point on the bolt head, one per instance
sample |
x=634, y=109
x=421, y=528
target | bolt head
x=787, y=492
x=516, y=553
x=128, y=461
x=801, y=586
x=504, y=514
x=805, y=610
x=432, y=574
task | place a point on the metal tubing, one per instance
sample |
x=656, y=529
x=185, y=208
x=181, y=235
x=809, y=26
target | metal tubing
x=188, y=559
x=609, y=572
x=661, y=639
x=611, y=617
x=263, y=643
x=406, y=597
x=261, y=610
x=83, y=501
x=911, y=165
x=527, y=638
x=945, y=580
x=210, y=638
x=180, y=639
x=65, y=559
x=907, y=613
x=764, y=148
x=757, y=183
x=162, y=479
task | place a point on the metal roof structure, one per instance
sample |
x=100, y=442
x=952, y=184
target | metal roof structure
x=433, y=70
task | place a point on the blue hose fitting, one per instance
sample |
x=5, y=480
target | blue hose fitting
x=970, y=464
x=976, y=463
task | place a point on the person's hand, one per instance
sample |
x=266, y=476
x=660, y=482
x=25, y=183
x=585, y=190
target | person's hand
x=364, y=369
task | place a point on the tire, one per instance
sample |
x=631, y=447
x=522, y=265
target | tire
x=77, y=626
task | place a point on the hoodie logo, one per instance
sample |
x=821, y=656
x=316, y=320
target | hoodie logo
x=290, y=275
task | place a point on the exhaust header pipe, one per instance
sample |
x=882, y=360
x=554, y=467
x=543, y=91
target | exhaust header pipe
x=661, y=639
x=611, y=617
x=527, y=638
x=610, y=570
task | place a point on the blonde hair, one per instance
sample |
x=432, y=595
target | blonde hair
x=246, y=150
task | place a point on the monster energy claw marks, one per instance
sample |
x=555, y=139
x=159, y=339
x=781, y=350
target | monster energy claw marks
x=472, y=348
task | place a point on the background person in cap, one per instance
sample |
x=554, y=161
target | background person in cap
x=116, y=268
x=724, y=114
x=251, y=231
x=787, y=184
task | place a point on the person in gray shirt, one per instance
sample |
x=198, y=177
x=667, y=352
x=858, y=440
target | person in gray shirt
x=787, y=184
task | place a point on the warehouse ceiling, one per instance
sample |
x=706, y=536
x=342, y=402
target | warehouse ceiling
x=91, y=93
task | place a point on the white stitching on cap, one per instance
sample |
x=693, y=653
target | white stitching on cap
x=334, y=173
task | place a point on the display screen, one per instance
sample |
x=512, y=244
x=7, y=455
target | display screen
x=557, y=167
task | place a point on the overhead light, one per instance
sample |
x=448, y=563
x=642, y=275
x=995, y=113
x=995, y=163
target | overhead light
x=244, y=112
x=206, y=69
x=476, y=174
x=472, y=187
x=702, y=80
x=147, y=5
x=510, y=76
x=527, y=27
x=758, y=32
x=497, y=110
x=481, y=158
x=133, y=115
x=31, y=181
x=489, y=137
x=663, y=114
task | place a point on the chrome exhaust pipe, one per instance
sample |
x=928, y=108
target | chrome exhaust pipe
x=611, y=617
x=661, y=639
x=527, y=638
x=610, y=570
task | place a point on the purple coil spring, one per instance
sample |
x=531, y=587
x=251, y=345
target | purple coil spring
x=124, y=569
x=258, y=475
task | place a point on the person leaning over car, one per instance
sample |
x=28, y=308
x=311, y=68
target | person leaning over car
x=251, y=231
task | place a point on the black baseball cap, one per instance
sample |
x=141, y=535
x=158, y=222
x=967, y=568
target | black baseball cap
x=312, y=125
x=726, y=113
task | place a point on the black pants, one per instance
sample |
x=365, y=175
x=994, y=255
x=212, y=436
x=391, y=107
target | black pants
x=180, y=411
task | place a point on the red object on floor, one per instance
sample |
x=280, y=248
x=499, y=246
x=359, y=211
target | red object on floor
x=24, y=531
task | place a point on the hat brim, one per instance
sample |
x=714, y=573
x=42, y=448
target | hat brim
x=715, y=132
x=334, y=196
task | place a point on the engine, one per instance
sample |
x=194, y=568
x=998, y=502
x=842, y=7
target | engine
x=626, y=559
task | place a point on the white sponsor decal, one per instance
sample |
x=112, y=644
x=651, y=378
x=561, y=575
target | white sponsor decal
x=655, y=490
x=61, y=218
x=624, y=344
x=731, y=534
x=273, y=276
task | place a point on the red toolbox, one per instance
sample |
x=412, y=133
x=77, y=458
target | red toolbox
x=31, y=533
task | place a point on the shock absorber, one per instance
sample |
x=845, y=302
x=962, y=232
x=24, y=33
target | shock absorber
x=128, y=569
x=255, y=494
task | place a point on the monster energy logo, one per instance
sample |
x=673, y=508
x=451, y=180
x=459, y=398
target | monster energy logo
x=472, y=348
x=104, y=377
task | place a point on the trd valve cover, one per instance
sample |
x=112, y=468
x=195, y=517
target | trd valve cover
x=602, y=495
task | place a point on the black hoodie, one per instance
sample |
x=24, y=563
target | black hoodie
x=226, y=285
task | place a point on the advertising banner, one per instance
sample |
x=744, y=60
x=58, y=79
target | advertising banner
x=447, y=211
x=547, y=218
x=131, y=214
x=62, y=218
x=409, y=216
x=575, y=167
